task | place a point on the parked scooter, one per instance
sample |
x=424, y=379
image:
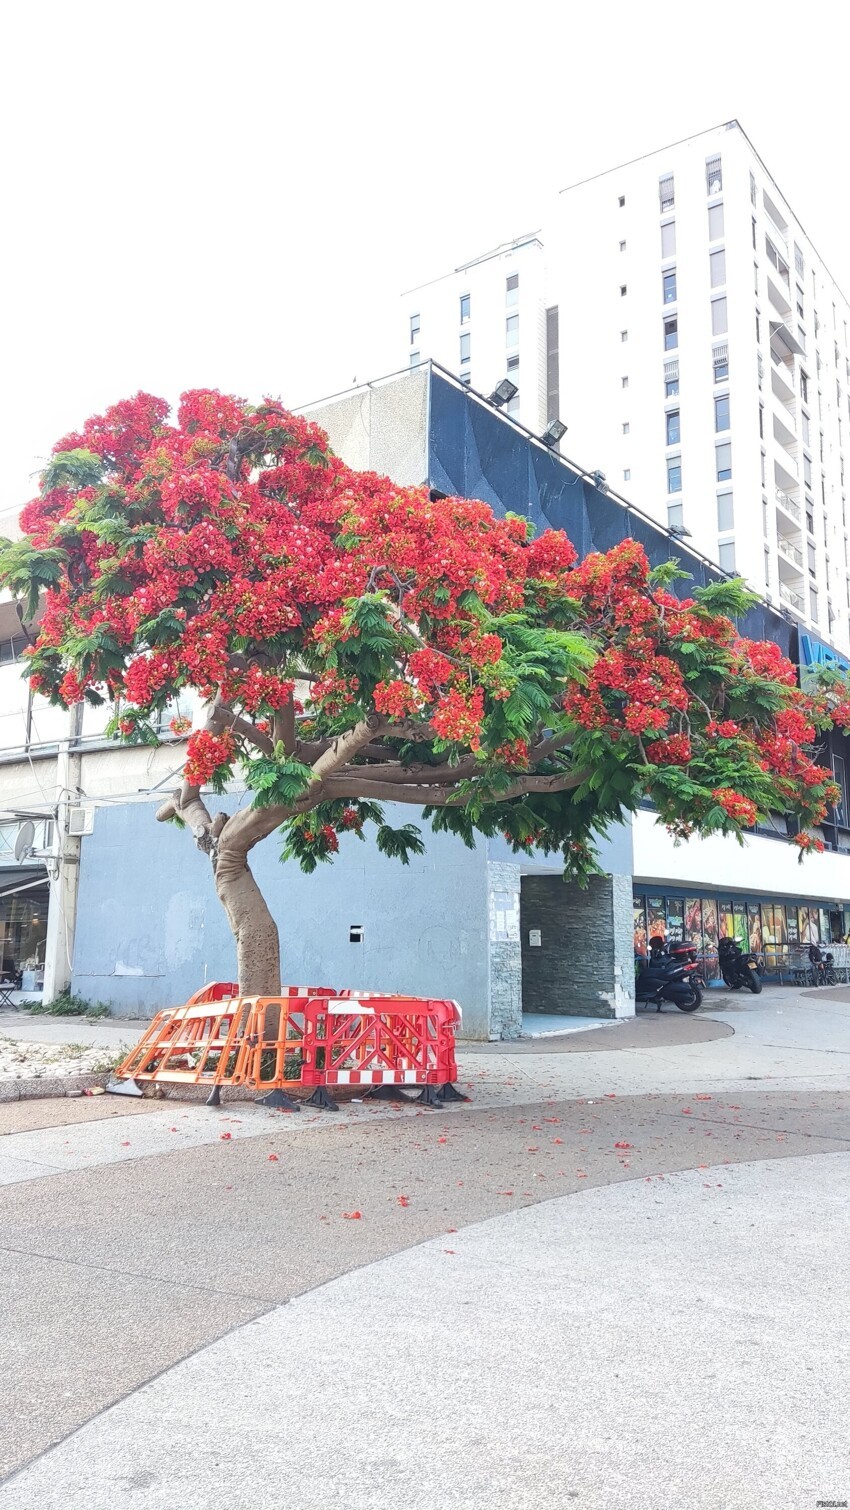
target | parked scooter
x=738, y=969
x=664, y=979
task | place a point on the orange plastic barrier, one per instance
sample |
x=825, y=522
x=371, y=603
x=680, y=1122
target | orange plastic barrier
x=306, y=1036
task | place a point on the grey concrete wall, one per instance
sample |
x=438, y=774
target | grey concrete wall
x=578, y=966
x=151, y=930
x=382, y=427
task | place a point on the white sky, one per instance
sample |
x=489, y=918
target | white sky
x=234, y=195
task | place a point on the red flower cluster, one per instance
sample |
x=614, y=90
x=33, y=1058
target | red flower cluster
x=206, y=754
x=396, y=698
x=673, y=751
x=459, y=715
x=741, y=809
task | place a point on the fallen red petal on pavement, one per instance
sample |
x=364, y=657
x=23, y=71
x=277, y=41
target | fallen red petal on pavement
x=448, y=1250
x=442, y=1140
x=702, y=1098
x=622, y=1145
x=352, y=1216
x=273, y=1158
x=125, y=1145
x=225, y=1137
x=504, y=1192
x=557, y=1140
x=403, y=1200
x=686, y=1111
x=581, y=1176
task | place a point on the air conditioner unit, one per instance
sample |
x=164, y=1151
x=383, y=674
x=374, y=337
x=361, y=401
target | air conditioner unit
x=80, y=821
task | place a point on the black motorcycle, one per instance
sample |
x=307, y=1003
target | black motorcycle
x=737, y=968
x=662, y=979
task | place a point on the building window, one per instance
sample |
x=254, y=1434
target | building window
x=713, y=176
x=512, y=330
x=624, y=382
x=813, y=560
x=674, y=474
x=625, y=427
x=717, y=263
x=758, y=328
x=671, y=335
x=752, y=189
x=624, y=335
x=414, y=329
x=671, y=387
x=465, y=303
x=621, y=201
x=720, y=357
x=723, y=454
x=755, y=243
x=465, y=349
x=673, y=429
x=671, y=378
x=512, y=289
x=622, y=246
x=674, y=516
x=512, y=406
x=726, y=555
x=725, y=513
x=668, y=239
x=719, y=319
x=761, y=421
x=813, y=594
x=414, y=358
x=801, y=312
x=807, y=470
x=513, y=364
x=627, y=475
x=466, y=377
x=666, y=192
x=799, y=262
x=715, y=222
x=622, y=290
x=721, y=412
x=755, y=278
x=804, y=419
x=668, y=281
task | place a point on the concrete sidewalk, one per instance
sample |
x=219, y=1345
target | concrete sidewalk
x=641, y=1345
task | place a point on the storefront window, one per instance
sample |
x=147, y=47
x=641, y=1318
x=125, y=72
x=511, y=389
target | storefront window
x=23, y=931
x=675, y=920
x=756, y=935
x=742, y=927
x=656, y=918
x=640, y=926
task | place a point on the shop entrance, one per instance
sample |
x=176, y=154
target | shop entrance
x=24, y=904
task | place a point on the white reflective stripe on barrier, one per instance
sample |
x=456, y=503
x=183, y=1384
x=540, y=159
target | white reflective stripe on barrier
x=340, y=1008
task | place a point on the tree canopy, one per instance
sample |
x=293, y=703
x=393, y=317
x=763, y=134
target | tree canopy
x=355, y=642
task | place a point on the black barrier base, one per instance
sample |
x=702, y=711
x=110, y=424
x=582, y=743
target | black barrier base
x=214, y=1097
x=386, y=1093
x=430, y=1095
x=278, y=1101
x=450, y=1092
x=321, y=1099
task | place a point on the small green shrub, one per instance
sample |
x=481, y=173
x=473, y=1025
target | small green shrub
x=68, y=1005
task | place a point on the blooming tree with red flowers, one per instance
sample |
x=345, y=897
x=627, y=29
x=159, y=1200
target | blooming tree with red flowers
x=355, y=643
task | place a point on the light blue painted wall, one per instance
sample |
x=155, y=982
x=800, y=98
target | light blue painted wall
x=150, y=929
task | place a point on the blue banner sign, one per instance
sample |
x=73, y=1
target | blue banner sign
x=815, y=655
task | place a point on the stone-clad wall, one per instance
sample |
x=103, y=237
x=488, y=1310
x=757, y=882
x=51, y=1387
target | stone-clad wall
x=579, y=965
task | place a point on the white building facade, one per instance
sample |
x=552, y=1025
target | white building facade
x=696, y=346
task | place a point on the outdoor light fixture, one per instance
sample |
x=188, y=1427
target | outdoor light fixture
x=681, y=530
x=553, y=432
x=598, y=480
x=503, y=393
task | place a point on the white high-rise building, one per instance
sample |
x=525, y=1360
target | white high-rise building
x=675, y=315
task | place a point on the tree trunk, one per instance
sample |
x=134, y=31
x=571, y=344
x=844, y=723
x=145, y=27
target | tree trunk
x=252, y=925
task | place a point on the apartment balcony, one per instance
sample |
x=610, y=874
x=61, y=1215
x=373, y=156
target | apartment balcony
x=779, y=294
x=783, y=342
x=782, y=383
x=784, y=433
x=790, y=558
x=776, y=231
x=789, y=506
x=793, y=599
x=785, y=473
